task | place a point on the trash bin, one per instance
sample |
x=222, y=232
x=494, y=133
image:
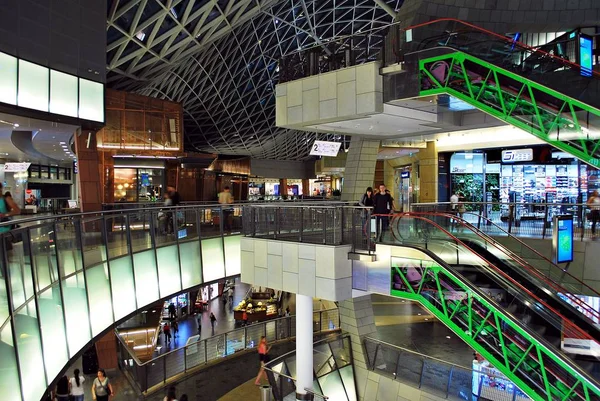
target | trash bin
x=265, y=393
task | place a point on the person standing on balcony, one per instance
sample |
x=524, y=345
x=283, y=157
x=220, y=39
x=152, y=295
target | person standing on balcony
x=226, y=198
x=383, y=204
x=594, y=204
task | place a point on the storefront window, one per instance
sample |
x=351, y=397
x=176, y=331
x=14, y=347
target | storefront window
x=65, y=174
x=34, y=171
x=43, y=171
x=150, y=184
x=125, y=185
x=53, y=173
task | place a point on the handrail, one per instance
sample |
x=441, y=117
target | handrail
x=566, y=322
x=522, y=262
x=153, y=360
x=523, y=243
x=499, y=36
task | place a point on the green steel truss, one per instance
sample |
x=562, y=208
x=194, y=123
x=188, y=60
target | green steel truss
x=540, y=372
x=561, y=121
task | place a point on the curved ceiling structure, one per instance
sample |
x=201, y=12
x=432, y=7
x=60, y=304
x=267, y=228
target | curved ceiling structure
x=219, y=58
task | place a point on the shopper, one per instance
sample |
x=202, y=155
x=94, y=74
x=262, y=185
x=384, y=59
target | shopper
x=230, y=295
x=170, y=395
x=226, y=198
x=367, y=198
x=213, y=320
x=172, y=311
x=245, y=317
x=101, y=388
x=62, y=389
x=383, y=204
x=8, y=208
x=199, y=321
x=594, y=204
x=263, y=357
x=175, y=327
x=76, y=384
x=167, y=332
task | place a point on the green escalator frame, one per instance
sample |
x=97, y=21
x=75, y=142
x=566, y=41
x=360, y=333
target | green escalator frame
x=515, y=359
x=488, y=95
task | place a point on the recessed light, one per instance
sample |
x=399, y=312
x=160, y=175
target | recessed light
x=448, y=337
x=16, y=125
x=61, y=143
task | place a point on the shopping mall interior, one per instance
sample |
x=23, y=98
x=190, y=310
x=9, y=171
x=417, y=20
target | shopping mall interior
x=275, y=200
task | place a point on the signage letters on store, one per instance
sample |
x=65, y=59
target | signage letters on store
x=517, y=155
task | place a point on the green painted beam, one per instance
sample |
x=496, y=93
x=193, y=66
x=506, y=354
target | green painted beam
x=521, y=109
x=510, y=347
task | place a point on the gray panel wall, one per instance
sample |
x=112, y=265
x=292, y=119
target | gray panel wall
x=282, y=169
x=67, y=35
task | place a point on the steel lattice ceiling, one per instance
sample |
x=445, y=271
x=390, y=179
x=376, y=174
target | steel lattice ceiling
x=220, y=59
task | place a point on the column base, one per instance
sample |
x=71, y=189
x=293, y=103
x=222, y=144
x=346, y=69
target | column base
x=305, y=397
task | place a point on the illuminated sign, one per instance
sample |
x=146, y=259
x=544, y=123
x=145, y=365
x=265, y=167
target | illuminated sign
x=517, y=155
x=405, y=174
x=562, y=239
x=585, y=55
x=323, y=148
x=16, y=167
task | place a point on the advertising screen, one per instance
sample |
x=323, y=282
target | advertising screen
x=585, y=55
x=562, y=239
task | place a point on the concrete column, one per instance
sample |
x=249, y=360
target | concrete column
x=356, y=318
x=428, y=177
x=360, y=168
x=304, y=346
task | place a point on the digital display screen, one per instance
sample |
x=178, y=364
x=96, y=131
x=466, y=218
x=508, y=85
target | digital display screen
x=562, y=239
x=145, y=179
x=585, y=55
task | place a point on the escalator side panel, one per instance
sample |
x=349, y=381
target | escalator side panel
x=539, y=371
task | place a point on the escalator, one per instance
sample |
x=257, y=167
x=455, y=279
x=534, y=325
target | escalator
x=544, y=94
x=519, y=332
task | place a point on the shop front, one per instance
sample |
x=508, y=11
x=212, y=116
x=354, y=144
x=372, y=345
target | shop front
x=258, y=306
x=138, y=182
x=525, y=176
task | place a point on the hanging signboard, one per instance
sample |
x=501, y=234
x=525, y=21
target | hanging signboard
x=562, y=239
x=16, y=167
x=323, y=148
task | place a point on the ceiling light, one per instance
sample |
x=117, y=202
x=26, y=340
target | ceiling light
x=16, y=125
x=61, y=143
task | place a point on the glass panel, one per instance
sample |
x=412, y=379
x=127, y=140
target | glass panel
x=189, y=225
x=235, y=341
x=195, y=354
x=175, y=363
x=168, y=270
x=123, y=290
x=44, y=172
x=253, y=335
x=53, y=331
x=139, y=225
x=215, y=347
x=323, y=361
x=9, y=378
x=8, y=79
x=68, y=248
x=332, y=386
x=91, y=100
x=233, y=264
x=190, y=264
x=53, y=173
x=347, y=374
x=291, y=364
x=146, y=281
x=116, y=235
x=341, y=351
x=63, y=94
x=33, y=86
x=94, y=249
x=21, y=282
x=212, y=259
x=30, y=352
x=125, y=185
x=76, y=312
x=101, y=315
x=165, y=221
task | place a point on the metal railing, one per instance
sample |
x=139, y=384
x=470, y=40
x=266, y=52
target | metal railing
x=167, y=367
x=437, y=377
x=520, y=219
x=332, y=369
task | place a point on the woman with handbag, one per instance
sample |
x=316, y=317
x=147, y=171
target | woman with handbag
x=102, y=389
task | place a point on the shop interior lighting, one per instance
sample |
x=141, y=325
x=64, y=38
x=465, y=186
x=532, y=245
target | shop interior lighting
x=139, y=147
x=143, y=157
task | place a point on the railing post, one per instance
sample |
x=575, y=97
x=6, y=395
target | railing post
x=164, y=369
x=324, y=217
x=185, y=359
x=421, y=376
x=301, y=233
x=484, y=206
x=449, y=381
x=545, y=221
x=511, y=213
x=276, y=217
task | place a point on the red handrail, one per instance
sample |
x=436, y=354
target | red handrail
x=566, y=322
x=532, y=250
x=504, y=38
x=523, y=263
